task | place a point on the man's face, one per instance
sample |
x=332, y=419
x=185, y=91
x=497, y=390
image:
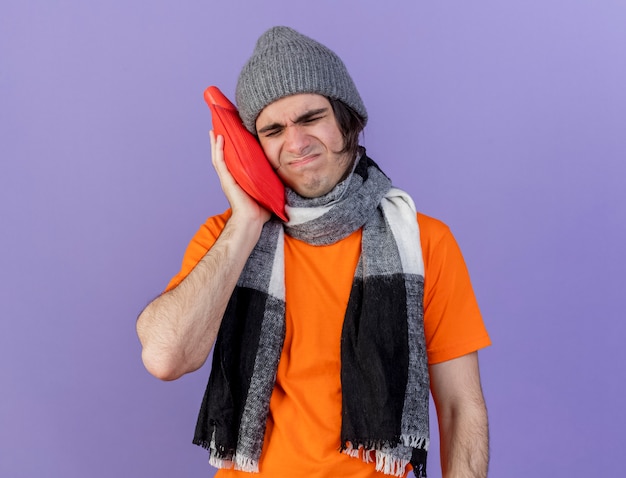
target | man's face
x=302, y=140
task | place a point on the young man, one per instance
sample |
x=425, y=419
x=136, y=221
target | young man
x=330, y=329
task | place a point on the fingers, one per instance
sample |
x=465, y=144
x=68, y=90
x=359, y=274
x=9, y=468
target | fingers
x=240, y=202
x=217, y=149
x=217, y=158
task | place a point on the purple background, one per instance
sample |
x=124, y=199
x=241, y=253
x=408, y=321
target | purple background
x=507, y=120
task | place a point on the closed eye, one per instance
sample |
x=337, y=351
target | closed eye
x=311, y=116
x=311, y=120
x=271, y=130
x=308, y=118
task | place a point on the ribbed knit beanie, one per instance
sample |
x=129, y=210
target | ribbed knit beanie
x=285, y=62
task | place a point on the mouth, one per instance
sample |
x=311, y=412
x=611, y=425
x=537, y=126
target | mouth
x=298, y=162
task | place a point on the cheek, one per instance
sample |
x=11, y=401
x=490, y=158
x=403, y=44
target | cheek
x=334, y=139
x=271, y=152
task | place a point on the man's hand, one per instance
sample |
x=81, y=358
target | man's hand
x=244, y=207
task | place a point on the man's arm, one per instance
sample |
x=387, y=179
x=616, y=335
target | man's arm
x=177, y=329
x=462, y=415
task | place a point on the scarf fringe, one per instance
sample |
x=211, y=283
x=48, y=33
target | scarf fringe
x=386, y=462
x=240, y=463
x=413, y=441
x=217, y=462
x=405, y=439
x=245, y=463
x=203, y=443
x=389, y=464
x=221, y=458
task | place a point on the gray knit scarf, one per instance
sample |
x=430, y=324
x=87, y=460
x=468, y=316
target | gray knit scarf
x=384, y=372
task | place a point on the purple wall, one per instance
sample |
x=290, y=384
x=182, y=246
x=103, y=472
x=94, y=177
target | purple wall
x=507, y=120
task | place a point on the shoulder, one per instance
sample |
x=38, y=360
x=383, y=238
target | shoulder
x=218, y=221
x=208, y=232
x=432, y=225
x=443, y=259
x=432, y=232
x=200, y=243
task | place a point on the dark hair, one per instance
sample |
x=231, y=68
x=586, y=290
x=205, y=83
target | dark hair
x=350, y=124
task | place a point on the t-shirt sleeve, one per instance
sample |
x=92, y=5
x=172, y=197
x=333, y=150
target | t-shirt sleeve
x=453, y=324
x=201, y=242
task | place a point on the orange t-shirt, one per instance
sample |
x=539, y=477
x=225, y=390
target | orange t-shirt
x=303, y=430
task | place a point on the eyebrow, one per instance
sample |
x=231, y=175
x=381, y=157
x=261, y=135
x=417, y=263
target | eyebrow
x=307, y=115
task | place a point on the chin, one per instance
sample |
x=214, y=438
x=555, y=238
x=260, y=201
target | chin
x=308, y=193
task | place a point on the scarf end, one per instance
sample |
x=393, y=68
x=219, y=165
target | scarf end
x=415, y=442
x=220, y=463
x=388, y=459
x=244, y=463
x=390, y=465
x=224, y=460
x=239, y=463
x=385, y=462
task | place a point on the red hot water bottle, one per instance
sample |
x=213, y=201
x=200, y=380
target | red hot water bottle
x=244, y=156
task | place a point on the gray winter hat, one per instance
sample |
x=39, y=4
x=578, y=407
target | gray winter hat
x=285, y=62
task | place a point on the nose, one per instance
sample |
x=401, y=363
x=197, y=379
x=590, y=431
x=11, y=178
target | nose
x=296, y=140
